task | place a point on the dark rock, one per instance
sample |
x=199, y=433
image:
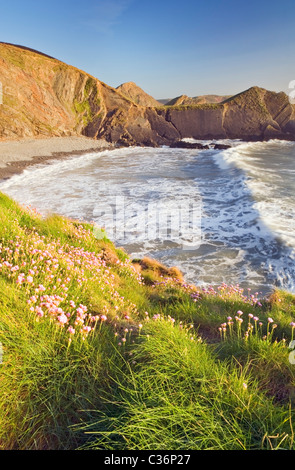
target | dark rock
x=221, y=146
x=188, y=145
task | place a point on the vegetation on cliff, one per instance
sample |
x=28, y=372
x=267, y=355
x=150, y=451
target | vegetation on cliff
x=101, y=351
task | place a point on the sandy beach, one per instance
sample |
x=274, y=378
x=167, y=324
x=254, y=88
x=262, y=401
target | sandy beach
x=16, y=155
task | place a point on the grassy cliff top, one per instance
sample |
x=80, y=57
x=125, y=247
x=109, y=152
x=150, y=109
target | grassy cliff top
x=100, y=351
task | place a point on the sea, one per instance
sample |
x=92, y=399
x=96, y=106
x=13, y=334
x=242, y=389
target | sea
x=221, y=216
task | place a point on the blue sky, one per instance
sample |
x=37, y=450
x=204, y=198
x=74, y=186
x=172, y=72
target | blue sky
x=168, y=48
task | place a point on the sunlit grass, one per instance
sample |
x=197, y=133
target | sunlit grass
x=102, y=352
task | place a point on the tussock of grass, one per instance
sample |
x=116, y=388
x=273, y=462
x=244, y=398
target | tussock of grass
x=105, y=353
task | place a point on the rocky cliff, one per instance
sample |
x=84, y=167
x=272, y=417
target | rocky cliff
x=43, y=96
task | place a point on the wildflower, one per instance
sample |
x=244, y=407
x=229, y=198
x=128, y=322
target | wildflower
x=270, y=320
x=30, y=279
x=87, y=329
x=20, y=279
x=71, y=330
x=239, y=319
x=245, y=386
x=39, y=312
x=239, y=312
x=103, y=317
x=95, y=318
x=62, y=319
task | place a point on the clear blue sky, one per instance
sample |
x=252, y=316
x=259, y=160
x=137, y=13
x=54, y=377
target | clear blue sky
x=167, y=47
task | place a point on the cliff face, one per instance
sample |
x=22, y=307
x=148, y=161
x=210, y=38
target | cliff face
x=43, y=96
x=253, y=115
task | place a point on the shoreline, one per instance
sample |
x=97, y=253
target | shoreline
x=17, y=155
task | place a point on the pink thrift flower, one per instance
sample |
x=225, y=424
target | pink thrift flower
x=39, y=312
x=87, y=329
x=62, y=319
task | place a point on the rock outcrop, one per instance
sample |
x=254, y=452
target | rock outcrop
x=137, y=95
x=43, y=96
x=184, y=100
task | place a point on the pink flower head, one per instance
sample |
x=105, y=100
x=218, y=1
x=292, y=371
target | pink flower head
x=87, y=329
x=20, y=279
x=62, y=319
x=39, y=311
x=103, y=317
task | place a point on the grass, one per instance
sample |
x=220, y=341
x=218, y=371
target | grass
x=104, y=352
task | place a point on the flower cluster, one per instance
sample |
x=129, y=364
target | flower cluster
x=233, y=326
x=225, y=291
x=55, y=278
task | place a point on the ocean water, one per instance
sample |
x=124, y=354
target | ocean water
x=220, y=216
